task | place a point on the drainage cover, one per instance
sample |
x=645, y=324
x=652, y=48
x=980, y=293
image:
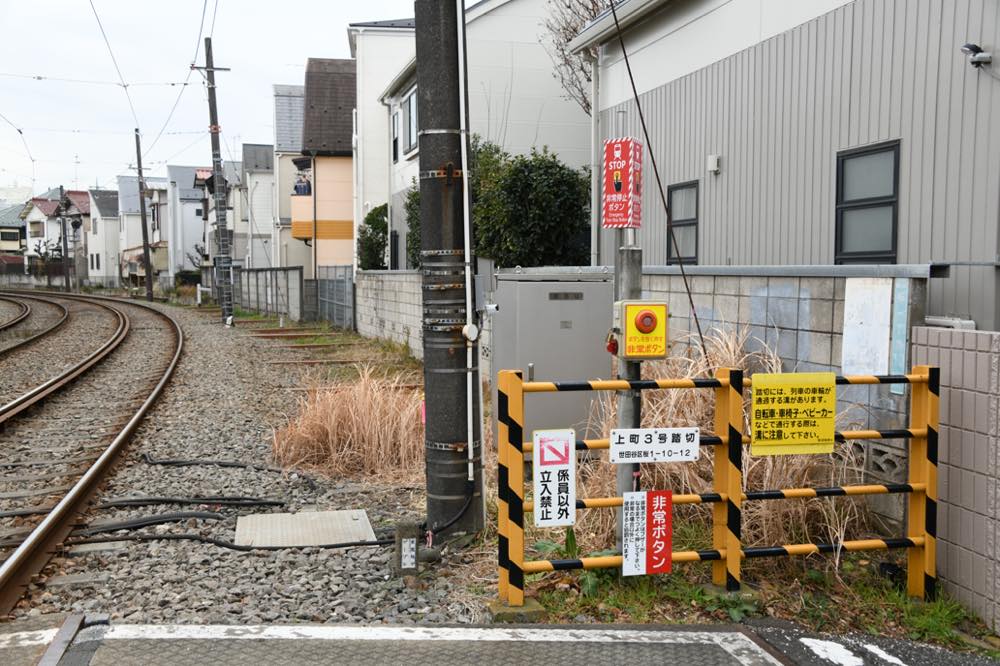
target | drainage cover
x=306, y=528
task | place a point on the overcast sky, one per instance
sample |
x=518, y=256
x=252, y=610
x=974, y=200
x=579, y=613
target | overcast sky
x=263, y=41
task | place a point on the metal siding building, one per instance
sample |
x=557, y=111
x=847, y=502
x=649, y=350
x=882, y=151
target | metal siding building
x=779, y=112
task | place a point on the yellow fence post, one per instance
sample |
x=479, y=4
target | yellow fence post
x=921, y=571
x=503, y=418
x=720, y=474
x=515, y=490
x=734, y=503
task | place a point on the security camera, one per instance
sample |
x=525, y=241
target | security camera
x=977, y=57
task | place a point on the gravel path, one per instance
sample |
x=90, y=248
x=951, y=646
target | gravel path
x=42, y=316
x=223, y=402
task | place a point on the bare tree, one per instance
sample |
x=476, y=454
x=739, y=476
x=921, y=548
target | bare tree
x=197, y=257
x=565, y=20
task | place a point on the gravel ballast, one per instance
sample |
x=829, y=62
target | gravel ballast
x=222, y=404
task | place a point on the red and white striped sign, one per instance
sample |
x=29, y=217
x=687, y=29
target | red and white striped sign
x=622, y=189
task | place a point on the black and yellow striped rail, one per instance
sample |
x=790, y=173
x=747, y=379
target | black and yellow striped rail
x=728, y=495
x=696, y=382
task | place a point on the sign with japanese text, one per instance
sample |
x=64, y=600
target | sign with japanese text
x=554, y=477
x=647, y=532
x=793, y=413
x=654, y=445
x=622, y=184
x=644, y=326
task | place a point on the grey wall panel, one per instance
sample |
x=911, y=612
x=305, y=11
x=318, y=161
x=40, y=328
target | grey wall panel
x=778, y=113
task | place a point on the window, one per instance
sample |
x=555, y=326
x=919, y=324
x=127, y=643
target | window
x=93, y=226
x=91, y=262
x=683, y=199
x=10, y=235
x=395, y=137
x=97, y=261
x=410, y=120
x=867, y=194
x=197, y=211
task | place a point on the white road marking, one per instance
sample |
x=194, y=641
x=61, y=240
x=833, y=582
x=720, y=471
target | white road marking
x=23, y=638
x=832, y=651
x=882, y=654
x=743, y=650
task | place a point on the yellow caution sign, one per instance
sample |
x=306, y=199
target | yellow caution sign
x=643, y=326
x=793, y=413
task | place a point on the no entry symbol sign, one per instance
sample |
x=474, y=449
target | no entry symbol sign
x=554, y=477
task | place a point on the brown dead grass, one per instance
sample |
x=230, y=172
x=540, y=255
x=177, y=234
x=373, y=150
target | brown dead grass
x=365, y=427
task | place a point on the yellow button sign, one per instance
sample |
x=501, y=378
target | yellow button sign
x=645, y=330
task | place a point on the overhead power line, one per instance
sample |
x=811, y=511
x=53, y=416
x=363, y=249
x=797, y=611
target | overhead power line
x=114, y=60
x=180, y=93
x=20, y=133
x=90, y=82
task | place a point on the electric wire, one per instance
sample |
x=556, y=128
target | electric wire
x=20, y=133
x=92, y=82
x=222, y=543
x=659, y=184
x=180, y=93
x=114, y=60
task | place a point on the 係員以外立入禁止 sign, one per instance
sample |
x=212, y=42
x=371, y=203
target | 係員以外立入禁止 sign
x=554, y=477
x=793, y=413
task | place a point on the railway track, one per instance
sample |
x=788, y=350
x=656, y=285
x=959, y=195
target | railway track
x=23, y=311
x=102, y=371
x=33, y=323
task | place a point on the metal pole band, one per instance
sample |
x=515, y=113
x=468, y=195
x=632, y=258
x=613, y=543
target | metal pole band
x=424, y=132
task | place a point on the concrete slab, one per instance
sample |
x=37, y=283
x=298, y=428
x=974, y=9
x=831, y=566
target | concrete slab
x=306, y=528
x=24, y=641
x=89, y=548
x=77, y=580
x=177, y=645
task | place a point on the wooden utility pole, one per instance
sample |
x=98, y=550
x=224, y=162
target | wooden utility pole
x=223, y=258
x=146, y=261
x=65, y=245
x=452, y=445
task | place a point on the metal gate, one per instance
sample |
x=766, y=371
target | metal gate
x=335, y=295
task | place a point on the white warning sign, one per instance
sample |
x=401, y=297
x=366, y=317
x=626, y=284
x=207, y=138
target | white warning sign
x=654, y=445
x=554, y=477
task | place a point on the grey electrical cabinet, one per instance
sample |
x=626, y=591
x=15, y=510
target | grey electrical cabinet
x=557, y=322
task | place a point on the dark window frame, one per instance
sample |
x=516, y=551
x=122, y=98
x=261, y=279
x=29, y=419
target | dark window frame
x=690, y=222
x=395, y=136
x=412, y=123
x=876, y=256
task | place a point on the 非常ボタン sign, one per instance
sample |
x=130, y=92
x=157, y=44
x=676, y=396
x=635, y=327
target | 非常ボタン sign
x=647, y=532
x=622, y=186
x=554, y=477
x=793, y=413
x=654, y=445
x=643, y=326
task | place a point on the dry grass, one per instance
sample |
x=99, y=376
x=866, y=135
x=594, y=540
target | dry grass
x=764, y=523
x=366, y=426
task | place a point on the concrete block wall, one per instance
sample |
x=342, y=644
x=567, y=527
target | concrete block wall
x=389, y=306
x=968, y=463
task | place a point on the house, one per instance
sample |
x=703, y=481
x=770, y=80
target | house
x=184, y=224
x=13, y=239
x=131, y=265
x=102, y=242
x=380, y=50
x=324, y=214
x=794, y=132
x=514, y=101
x=289, y=110
x=44, y=230
x=236, y=225
x=257, y=195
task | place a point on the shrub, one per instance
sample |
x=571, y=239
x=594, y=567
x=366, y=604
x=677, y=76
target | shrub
x=412, y=210
x=372, y=238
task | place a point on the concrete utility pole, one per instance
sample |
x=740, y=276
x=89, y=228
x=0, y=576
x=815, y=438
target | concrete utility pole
x=629, y=287
x=146, y=261
x=452, y=406
x=65, y=244
x=224, y=261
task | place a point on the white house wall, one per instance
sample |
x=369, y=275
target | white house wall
x=687, y=35
x=260, y=194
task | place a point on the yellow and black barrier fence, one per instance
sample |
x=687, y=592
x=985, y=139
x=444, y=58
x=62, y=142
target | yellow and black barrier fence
x=727, y=552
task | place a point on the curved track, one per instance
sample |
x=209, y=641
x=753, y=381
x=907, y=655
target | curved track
x=24, y=311
x=32, y=333
x=79, y=460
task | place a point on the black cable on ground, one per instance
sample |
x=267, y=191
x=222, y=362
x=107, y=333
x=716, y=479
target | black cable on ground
x=216, y=500
x=225, y=544
x=146, y=521
x=150, y=460
x=470, y=491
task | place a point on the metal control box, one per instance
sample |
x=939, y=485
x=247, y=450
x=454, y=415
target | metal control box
x=640, y=328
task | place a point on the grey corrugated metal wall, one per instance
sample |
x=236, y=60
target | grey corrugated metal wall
x=778, y=113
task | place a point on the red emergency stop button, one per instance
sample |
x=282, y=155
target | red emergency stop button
x=645, y=321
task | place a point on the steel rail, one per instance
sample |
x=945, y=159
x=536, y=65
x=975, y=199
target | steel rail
x=20, y=316
x=31, y=556
x=42, y=391
x=43, y=332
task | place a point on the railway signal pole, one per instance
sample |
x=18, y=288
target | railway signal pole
x=146, y=262
x=223, y=258
x=453, y=446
